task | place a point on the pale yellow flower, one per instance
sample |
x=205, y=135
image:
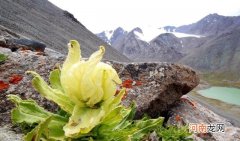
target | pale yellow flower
x=89, y=82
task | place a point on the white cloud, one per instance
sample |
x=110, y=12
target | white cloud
x=98, y=15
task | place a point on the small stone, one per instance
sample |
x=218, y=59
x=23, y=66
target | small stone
x=7, y=135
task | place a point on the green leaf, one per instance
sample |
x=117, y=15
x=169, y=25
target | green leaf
x=133, y=132
x=54, y=79
x=128, y=118
x=37, y=133
x=146, y=126
x=27, y=111
x=174, y=133
x=127, y=128
x=118, y=99
x=2, y=58
x=51, y=94
x=114, y=117
x=113, y=102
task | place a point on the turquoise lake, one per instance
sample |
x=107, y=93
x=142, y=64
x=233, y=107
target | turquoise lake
x=225, y=94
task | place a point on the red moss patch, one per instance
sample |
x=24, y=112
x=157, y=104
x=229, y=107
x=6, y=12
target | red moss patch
x=178, y=118
x=15, y=79
x=3, y=85
x=127, y=83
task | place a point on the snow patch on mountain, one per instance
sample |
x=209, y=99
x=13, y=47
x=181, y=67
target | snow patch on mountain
x=108, y=34
x=149, y=33
x=181, y=35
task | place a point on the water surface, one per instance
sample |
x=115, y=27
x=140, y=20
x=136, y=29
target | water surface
x=225, y=94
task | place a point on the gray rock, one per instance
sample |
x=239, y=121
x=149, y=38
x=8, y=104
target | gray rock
x=155, y=86
x=2, y=41
x=7, y=135
x=53, y=53
x=26, y=44
x=13, y=41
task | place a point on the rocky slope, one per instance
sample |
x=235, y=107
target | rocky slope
x=130, y=45
x=218, y=51
x=167, y=47
x=221, y=53
x=41, y=20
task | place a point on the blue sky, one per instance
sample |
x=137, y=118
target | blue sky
x=99, y=15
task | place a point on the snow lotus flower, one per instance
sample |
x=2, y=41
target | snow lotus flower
x=83, y=88
x=89, y=82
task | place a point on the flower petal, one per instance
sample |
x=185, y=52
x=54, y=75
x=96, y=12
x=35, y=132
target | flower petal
x=74, y=56
x=82, y=121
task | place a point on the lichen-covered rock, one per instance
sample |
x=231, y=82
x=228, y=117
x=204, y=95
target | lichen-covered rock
x=155, y=86
x=13, y=69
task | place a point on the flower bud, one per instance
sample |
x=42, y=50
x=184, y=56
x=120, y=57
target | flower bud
x=89, y=82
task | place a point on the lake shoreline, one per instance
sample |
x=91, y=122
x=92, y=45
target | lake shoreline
x=231, y=117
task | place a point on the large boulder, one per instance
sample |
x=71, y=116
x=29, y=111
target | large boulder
x=155, y=86
x=25, y=44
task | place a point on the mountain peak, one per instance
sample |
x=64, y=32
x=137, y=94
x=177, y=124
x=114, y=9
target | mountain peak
x=137, y=29
x=119, y=29
x=110, y=36
x=213, y=16
x=212, y=24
